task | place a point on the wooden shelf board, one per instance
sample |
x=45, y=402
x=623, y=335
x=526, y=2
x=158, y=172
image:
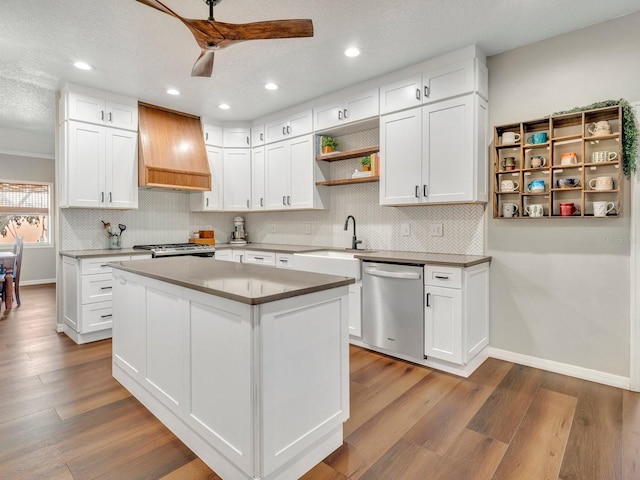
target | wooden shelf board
x=533, y=146
x=601, y=164
x=560, y=167
x=568, y=189
x=334, y=157
x=535, y=194
x=538, y=169
x=502, y=172
x=348, y=181
x=515, y=146
x=516, y=192
x=594, y=138
x=567, y=139
x=602, y=191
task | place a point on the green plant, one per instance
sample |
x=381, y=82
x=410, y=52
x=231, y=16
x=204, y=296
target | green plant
x=365, y=161
x=329, y=142
x=629, y=131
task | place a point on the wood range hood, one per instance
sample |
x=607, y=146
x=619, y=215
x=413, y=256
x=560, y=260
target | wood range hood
x=171, y=150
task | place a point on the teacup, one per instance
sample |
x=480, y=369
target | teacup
x=569, y=158
x=600, y=209
x=509, y=163
x=536, y=186
x=538, y=137
x=538, y=161
x=510, y=137
x=601, y=183
x=568, y=209
x=603, y=156
x=509, y=210
x=568, y=182
x=509, y=186
x=535, y=210
x=599, y=128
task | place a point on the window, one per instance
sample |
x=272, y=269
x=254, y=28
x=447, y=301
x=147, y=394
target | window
x=25, y=211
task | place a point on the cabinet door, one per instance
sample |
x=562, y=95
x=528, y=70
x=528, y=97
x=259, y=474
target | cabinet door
x=448, y=153
x=212, y=135
x=401, y=153
x=275, y=131
x=121, y=170
x=258, y=200
x=96, y=316
x=401, y=95
x=123, y=116
x=360, y=107
x=211, y=201
x=237, y=179
x=355, y=309
x=278, y=173
x=224, y=255
x=443, y=324
x=86, y=109
x=300, y=124
x=302, y=186
x=449, y=81
x=85, y=164
x=257, y=136
x=327, y=116
x=238, y=256
x=236, y=137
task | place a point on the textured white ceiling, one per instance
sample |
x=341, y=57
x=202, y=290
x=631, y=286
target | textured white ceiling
x=140, y=52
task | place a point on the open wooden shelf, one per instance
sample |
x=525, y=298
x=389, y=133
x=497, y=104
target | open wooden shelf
x=348, y=181
x=336, y=156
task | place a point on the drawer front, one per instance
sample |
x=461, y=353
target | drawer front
x=260, y=258
x=99, y=264
x=96, y=316
x=443, y=276
x=96, y=288
x=284, y=260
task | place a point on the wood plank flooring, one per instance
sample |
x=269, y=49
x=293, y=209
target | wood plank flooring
x=63, y=417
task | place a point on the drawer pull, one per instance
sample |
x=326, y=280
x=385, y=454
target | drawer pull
x=106, y=316
x=259, y=258
x=103, y=265
x=106, y=288
x=428, y=297
x=284, y=260
x=442, y=277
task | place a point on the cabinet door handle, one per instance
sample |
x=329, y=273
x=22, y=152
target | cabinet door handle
x=258, y=258
x=284, y=130
x=106, y=316
x=102, y=197
x=442, y=277
x=288, y=128
x=106, y=288
x=248, y=203
x=101, y=114
x=103, y=265
x=284, y=260
x=345, y=114
x=248, y=141
x=207, y=204
x=262, y=136
x=425, y=190
x=206, y=136
x=110, y=198
x=426, y=91
x=110, y=117
x=288, y=199
x=428, y=297
x=339, y=114
x=417, y=94
x=261, y=202
x=417, y=191
x=284, y=199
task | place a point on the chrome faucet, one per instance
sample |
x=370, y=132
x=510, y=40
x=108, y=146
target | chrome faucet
x=354, y=239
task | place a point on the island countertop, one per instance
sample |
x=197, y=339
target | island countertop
x=250, y=284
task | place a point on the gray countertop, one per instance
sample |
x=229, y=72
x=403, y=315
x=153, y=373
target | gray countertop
x=250, y=284
x=103, y=253
x=270, y=247
x=424, y=258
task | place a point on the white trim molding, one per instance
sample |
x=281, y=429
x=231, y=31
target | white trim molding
x=561, y=368
x=37, y=281
x=17, y=153
x=634, y=279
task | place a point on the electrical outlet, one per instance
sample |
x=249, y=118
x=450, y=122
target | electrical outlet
x=405, y=229
x=435, y=229
x=307, y=228
x=273, y=228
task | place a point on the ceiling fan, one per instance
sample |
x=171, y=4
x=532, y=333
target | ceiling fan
x=212, y=35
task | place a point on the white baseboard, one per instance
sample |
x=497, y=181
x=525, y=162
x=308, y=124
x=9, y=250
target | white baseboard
x=562, y=368
x=40, y=281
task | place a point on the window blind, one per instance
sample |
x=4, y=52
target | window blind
x=24, y=199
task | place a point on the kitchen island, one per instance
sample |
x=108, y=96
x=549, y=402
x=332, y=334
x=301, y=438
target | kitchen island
x=247, y=365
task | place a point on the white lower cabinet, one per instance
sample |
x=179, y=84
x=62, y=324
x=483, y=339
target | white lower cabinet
x=260, y=258
x=355, y=309
x=224, y=255
x=87, y=290
x=456, y=312
x=284, y=260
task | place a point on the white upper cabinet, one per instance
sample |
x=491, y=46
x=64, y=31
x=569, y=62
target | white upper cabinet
x=258, y=199
x=211, y=201
x=212, y=135
x=349, y=110
x=116, y=112
x=438, y=84
x=291, y=126
x=257, y=136
x=435, y=154
x=236, y=137
x=237, y=179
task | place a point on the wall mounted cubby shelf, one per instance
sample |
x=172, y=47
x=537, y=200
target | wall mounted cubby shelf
x=598, y=154
x=337, y=156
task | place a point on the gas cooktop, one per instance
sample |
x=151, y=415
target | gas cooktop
x=172, y=249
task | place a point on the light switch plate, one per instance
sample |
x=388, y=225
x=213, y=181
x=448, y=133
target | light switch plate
x=405, y=229
x=435, y=229
x=307, y=228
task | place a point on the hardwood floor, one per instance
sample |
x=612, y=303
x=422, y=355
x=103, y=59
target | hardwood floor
x=63, y=417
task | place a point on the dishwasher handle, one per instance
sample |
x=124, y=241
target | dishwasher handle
x=384, y=273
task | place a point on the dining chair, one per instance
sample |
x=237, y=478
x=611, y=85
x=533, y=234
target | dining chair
x=17, y=250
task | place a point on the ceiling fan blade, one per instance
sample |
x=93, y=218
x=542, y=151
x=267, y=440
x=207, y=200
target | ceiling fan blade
x=204, y=64
x=159, y=6
x=265, y=30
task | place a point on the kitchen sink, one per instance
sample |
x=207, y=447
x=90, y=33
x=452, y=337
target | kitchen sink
x=333, y=262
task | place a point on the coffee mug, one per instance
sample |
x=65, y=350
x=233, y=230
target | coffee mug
x=509, y=186
x=536, y=186
x=509, y=210
x=510, y=137
x=535, y=210
x=603, y=156
x=509, y=163
x=600, y=209
x=599, y=128
x=601, y=183
x=568, y=182
x=538, y=161
x=568, y=209
x=569, y=158
x=538, y=137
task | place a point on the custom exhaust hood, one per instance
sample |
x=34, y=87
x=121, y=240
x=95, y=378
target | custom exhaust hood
x=171, y=150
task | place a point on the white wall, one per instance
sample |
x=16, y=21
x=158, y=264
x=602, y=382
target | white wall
x=38, y=262
x=560, y=290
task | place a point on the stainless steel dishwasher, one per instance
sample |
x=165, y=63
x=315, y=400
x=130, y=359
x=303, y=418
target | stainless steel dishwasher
x=392, y=307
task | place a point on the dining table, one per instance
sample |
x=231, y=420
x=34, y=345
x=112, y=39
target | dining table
x=8, y=263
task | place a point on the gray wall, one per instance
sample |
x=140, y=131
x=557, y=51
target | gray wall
x=560, y=289
x=38, y=263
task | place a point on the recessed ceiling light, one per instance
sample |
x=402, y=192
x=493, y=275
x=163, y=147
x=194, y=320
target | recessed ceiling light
x=271, y=86
x=82, y=66
x=224, y=106
x=173, y=91
x=352, y=52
